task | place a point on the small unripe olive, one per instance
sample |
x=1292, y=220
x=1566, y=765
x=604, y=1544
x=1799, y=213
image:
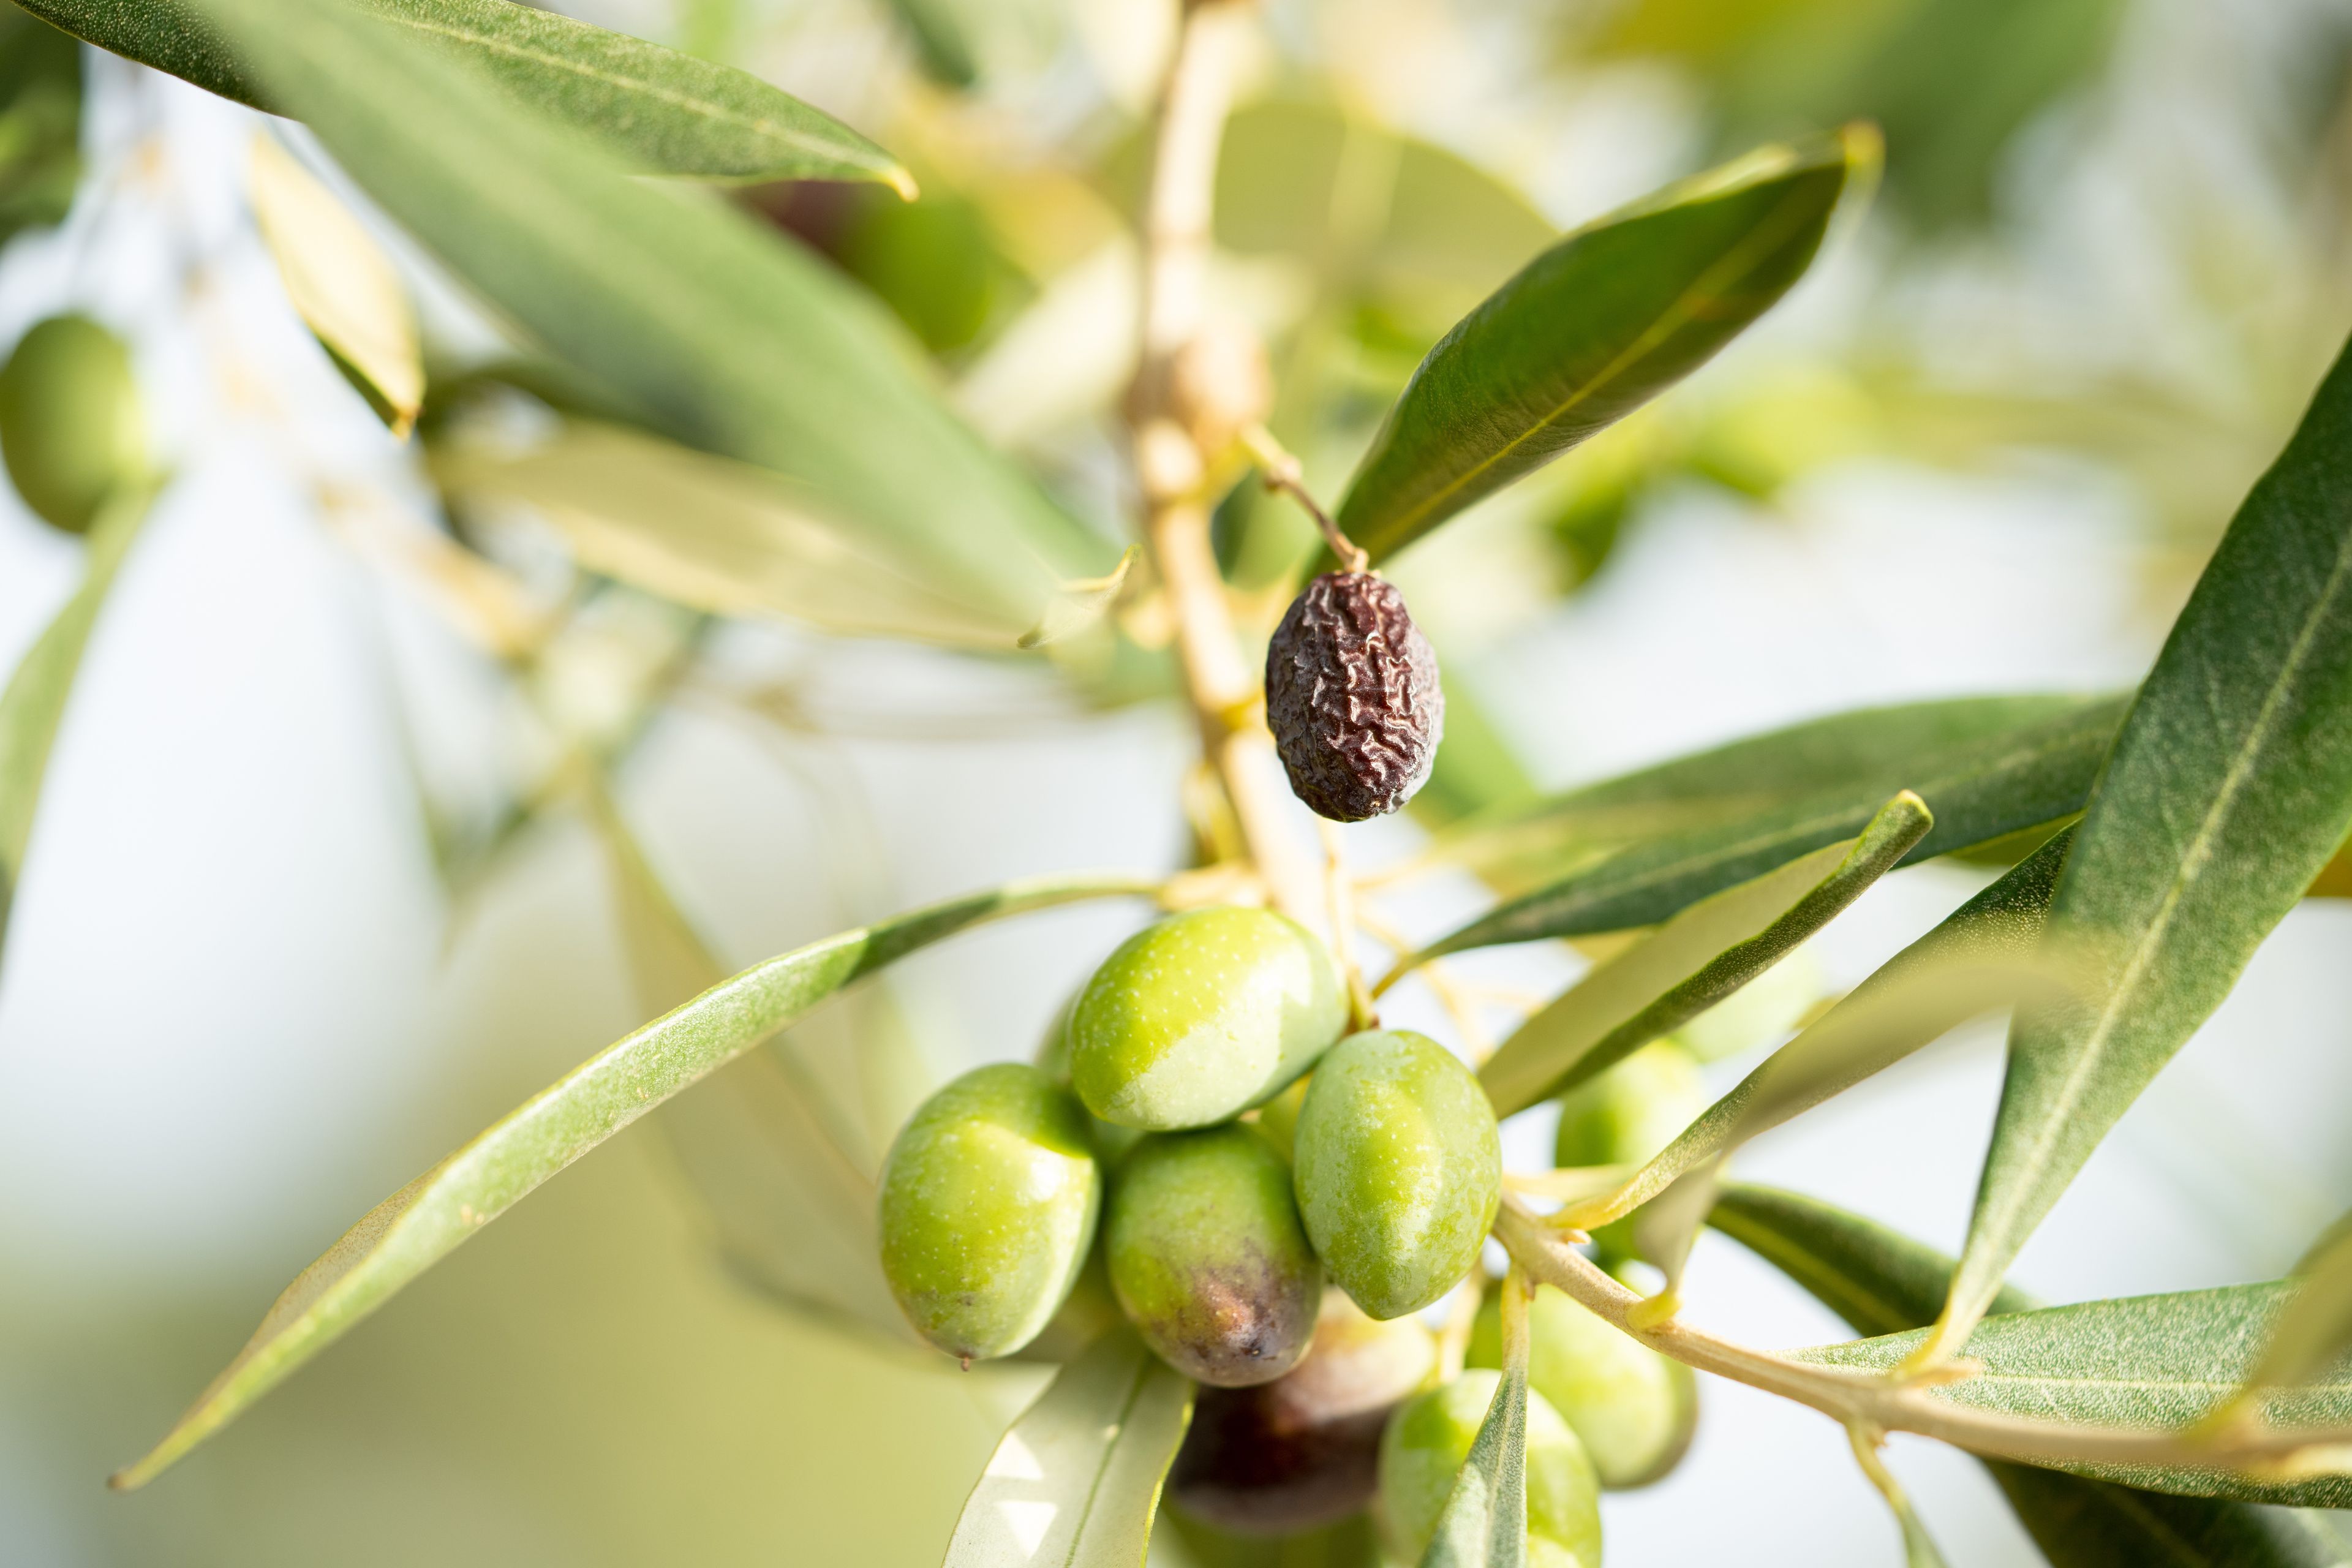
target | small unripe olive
x=1430, y=1436
x=989, y=1201
x=1196, y=1018
x=1208, y=1259
x=1302, y=1451
x=1625, y=1117
x=1633, y=1409
x=1398, y=1169
x=71, y=430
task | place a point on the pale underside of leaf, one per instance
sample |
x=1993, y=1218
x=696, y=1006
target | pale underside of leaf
x=1076, y=1481
x=340, y=282
x=1694, y=961
x=665, y=112
x=2229, y=789
x=1485, y=1521
x=715, y=535
x=33, y=703
x=430, y=1217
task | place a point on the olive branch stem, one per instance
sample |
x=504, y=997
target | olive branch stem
x=1172, y=469
x=1285, y=473
x=1880, y=1402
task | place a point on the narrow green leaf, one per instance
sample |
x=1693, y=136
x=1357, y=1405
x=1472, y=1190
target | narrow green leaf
x=714, y=331
x=1882, y=1282
x=1980, y=957
x=2315, y=1329
x=2229, y=789
x=430, y=1217
x=790, y=1199
x=1076, y=1481
x=33, y=704
x=662, y=111
x=1484, y=1521
x=1694, y=961
x=1983, y=789
x=716, y=535
x=1872, y=751
x=1593, y=329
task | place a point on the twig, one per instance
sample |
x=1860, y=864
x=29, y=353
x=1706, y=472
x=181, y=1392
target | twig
x=1883, y=1403
x=1283, y=472
x=1340, y=904
x=1225, y=692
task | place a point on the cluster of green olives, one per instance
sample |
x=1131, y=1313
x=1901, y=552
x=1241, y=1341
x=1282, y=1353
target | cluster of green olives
x=1270, y=1201
x=1218, y=1234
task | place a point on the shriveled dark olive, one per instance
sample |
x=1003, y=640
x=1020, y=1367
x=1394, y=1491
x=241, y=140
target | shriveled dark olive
x=1352, y=697
x=1303, y=1450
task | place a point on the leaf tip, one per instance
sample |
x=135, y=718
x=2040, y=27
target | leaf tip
x=899, y=180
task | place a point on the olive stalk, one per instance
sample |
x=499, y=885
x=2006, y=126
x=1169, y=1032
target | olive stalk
x=1884, y=1403
x=1173, y=470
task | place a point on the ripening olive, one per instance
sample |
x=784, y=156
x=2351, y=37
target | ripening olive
x=1398, y=1169
x=1632, y=1408
x=1208, y=1259
x=71, y=431
x=1624, y=1116
x=989, y=1199
x=1198, y=1018
x=1303, y=1450
x=1430, y=1436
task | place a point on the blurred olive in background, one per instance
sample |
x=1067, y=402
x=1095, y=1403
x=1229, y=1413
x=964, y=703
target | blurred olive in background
x=1633, y=1409
x=1422, y=1452
x=1624, y=1116
x=70, y=426
x=1302, y=1451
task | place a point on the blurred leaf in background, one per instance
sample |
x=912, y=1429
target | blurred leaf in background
x=40, y=121
x=1949, y=81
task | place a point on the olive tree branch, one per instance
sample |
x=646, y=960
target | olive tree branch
x=1172, y=469
x=1877, y=1403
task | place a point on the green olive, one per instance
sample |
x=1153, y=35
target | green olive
x=71, y=431
x=1208, y=1259
x=1398, y=1169
x=1633, y=1409
x=989, y=1201
x=1430, y=1436
x=1195, y=1019
x=1053, y=1058
x=1624, y=1116
x=1302, y=1451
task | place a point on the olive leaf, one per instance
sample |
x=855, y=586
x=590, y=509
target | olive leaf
x=1882, y=1282
x=1593, y=329
x=711, y=330
x=2315, y=1328
x=2229, y=787
x=720, y=536
x=1869, y=753
x=792, y=1202
x=430, y=1217
x=33, y=704
x=340, y=282
x=662, y=111
x=1076, y=1481
x=1983, y=955
x=1998, y=783
x=1485, y=1521
x=1693, y=961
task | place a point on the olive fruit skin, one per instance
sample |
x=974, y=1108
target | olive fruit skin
x=1430, y=1436
x=1398, y=1169
x=1194, y=1019
x=990, y=1197
x=1626, y=1116
x=1353, y=696
x=1302, y=1451
x=1633, y=1409
x=72, y=429
x=1053, y=1058
x=1208, y=1259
